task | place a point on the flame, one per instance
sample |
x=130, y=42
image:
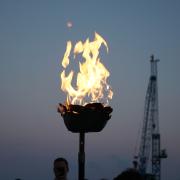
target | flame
x=91, y=79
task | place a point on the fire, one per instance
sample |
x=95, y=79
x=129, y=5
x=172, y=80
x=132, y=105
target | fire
x=91, y=83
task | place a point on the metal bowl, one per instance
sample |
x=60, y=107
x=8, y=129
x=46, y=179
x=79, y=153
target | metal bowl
x=90, y=118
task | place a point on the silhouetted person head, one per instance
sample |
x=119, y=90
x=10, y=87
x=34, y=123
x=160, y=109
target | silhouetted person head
x=130, y=174
x=61, y=169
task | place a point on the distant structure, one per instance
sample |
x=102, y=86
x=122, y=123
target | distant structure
x=150, y=142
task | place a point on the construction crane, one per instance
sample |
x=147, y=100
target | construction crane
x=150, y=154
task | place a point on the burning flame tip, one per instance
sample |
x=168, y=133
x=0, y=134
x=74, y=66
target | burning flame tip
x=91, y=80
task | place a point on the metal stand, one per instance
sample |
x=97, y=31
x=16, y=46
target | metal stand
x=81, y=156
x=96, y=116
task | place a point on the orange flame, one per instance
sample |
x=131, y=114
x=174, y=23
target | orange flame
x=92, y=76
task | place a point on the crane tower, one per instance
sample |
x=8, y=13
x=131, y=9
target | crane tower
x=150, y=153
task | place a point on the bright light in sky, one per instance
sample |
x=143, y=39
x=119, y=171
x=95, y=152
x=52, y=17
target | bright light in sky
x=69, y=24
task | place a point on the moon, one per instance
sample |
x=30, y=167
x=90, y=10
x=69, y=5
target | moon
x=69, y=24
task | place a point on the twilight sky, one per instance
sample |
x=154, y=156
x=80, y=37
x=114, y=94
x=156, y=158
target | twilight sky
x=33, y=37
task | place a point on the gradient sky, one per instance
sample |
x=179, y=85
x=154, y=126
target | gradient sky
x=33, y=37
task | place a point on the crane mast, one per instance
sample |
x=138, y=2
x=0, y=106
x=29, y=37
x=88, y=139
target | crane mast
x=150, y=148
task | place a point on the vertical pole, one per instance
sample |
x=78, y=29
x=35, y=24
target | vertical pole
x=81, y=156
